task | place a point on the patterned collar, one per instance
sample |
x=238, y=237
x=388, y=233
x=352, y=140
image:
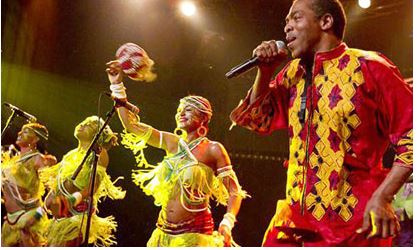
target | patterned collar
x=331, y=54
x=320, y=57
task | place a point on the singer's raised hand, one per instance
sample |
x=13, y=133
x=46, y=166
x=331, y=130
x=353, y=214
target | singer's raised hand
x=114, y=72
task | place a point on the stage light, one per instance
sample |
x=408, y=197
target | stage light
x=188, y=8
x=364, y=4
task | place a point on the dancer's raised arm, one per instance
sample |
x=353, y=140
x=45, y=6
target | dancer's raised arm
x=131, y=122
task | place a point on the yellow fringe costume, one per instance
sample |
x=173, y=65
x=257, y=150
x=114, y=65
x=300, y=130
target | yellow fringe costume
x=181, y=175
x=65, y=229
x=18, y=173
x=161, y=239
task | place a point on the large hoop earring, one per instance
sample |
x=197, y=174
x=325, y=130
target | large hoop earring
x=181, y=133
x=203, y=132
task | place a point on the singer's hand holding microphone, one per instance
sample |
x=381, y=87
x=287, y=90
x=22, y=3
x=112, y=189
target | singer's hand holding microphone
x=267, y=56
x=270, y=53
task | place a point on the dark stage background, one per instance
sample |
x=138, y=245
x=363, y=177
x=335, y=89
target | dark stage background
x=53, y=62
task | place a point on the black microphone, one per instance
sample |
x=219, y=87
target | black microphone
x=247, y=65
x=121, y=103
x=20, y=112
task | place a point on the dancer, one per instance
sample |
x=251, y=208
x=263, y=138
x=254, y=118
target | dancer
x=342, y=107
x=66, y=200
x=26, y=222
x=403, y=205
x=194, y=170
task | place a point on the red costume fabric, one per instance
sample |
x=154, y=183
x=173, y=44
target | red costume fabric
x=201, y=223
x=357, y=103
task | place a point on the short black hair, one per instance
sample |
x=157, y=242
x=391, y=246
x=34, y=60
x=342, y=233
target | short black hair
x=335, y=9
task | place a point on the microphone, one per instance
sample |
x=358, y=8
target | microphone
x=248, y=64
x=20, y=112
x=121, y=103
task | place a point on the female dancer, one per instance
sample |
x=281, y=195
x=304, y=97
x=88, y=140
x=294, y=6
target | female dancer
x=66, y=200
x=26, y=221
x=194, y=170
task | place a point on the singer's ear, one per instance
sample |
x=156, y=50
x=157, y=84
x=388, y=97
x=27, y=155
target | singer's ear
x=326, y=22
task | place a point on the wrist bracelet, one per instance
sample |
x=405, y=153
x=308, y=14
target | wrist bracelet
x=38, y=213
x=78, y=197
x=118, y=90
x=71, y=199
x=226, y=223
x=230, y=216
x=229, y=220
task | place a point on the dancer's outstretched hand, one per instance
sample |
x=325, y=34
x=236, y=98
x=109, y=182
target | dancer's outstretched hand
x=114, y=72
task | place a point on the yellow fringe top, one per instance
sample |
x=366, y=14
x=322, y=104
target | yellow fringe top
x=56, y=175
x=180, y=175
x=18, y=172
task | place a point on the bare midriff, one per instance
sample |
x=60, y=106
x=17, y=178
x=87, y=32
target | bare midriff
x=174, y=212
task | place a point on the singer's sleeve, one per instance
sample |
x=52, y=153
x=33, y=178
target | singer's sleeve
x=268, y=112
x=395, y=106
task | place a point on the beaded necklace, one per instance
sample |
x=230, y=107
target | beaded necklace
x=27, y=155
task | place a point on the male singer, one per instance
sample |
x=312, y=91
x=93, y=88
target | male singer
x=342, y=107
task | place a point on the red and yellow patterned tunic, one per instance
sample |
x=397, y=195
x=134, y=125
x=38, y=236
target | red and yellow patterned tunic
x=357, y=103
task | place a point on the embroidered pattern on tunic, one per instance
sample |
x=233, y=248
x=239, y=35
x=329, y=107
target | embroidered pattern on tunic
x=332, y=123
x=297, y=144
x=405, y=150
x=358, y=116
x=334, y=103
